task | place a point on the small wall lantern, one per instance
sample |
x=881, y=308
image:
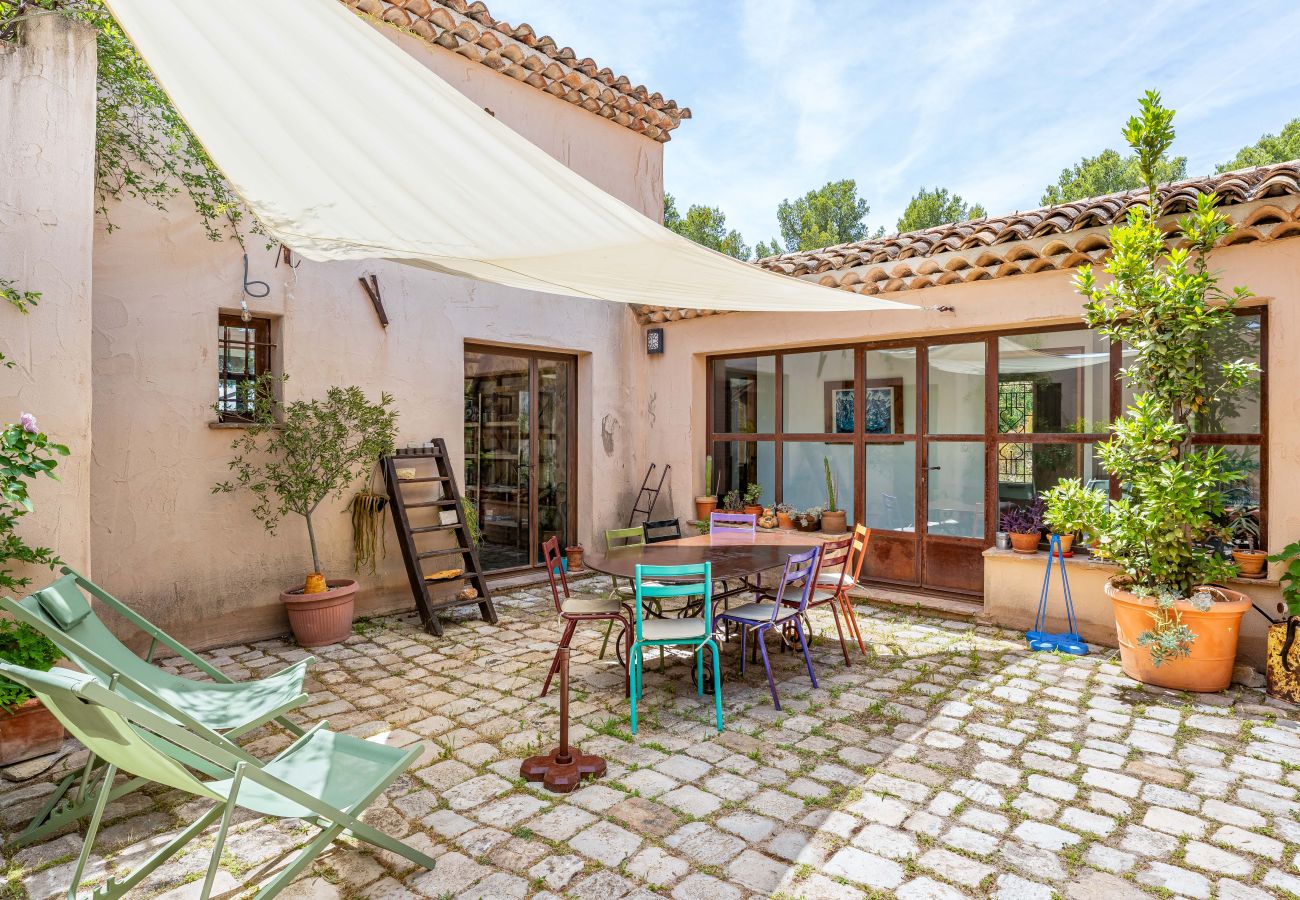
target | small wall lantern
x=654, y=340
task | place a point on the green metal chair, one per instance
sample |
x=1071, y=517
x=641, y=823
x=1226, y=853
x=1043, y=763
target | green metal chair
x=62, y=613
x=691, y=631
x=620, y=537
x=324, y=778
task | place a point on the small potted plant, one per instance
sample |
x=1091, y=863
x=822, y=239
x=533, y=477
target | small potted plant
x=834, y=519
x=27, y=728
x=753, y=494
x=783, y=513
x=733, y=502
x=1025, y=526
x=292, y=457
x=706, y=503
x=1068, y=509
x=809, y=519
x=1250, y=560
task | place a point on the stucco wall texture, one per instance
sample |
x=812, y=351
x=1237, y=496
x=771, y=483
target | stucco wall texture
x=47, y=147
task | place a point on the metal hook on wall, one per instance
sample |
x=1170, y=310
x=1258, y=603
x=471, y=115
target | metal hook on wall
x=264, y=289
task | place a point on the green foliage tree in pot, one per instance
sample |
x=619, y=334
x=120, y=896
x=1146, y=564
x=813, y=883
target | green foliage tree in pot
x=1069, y=508
x=1162, y=301
x=27, y=729
x=291, y=458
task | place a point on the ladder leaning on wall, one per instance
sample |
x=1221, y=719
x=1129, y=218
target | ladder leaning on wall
x=422, y=491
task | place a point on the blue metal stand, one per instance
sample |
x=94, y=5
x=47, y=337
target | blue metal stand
x=1066, y=642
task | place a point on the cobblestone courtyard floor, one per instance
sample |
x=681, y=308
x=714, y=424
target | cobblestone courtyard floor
x=948, y=762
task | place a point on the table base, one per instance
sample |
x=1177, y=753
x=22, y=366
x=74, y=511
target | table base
x=562, y=772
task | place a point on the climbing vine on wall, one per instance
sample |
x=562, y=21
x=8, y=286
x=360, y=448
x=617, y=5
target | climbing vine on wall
x=143, y=148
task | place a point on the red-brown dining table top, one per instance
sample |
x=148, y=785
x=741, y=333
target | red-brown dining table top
x=732, y=555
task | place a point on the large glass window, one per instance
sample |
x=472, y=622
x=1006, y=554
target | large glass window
x=890, y=391
x=890, y=486
x=817, y=395
x=955, y=491
x=803, y=465
x=1054, y=383
x=955, y=395
x=738, y=464
x=744, y=395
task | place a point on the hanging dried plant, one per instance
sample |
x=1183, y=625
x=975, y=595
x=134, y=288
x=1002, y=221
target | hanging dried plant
x=369, y=510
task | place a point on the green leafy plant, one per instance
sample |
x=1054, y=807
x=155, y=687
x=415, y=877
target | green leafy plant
x=471, y=520
x=1166, y=306
x=753, y=494
x=732, y=502
x=1290, y=577
x=294, y=455
x=830, y=486
x=26, y=453
x=1070, y=506
x=709, y=490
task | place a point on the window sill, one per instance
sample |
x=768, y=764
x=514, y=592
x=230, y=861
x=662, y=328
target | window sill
x=224, y=425
x=1083, y=560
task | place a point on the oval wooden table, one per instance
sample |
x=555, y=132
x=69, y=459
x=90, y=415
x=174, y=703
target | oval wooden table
x=733, y=555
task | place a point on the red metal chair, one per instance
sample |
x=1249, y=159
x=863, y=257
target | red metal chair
x=832, y=587
x=581, y=608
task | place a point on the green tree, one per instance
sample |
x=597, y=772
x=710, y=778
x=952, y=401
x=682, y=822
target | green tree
x=1271, y=148
x=1108, y=173
x=832, y=214
x=706, y=225
x=935, y=207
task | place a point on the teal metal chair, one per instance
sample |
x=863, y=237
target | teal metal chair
x=63, y=614
x=325, y=779
x=689, y=631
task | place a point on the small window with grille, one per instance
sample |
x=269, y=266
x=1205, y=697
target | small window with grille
x=243, y=356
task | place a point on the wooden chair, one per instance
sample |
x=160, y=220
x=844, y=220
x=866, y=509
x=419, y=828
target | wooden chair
x=581, y=608
x=832, y=587
x=662, y=530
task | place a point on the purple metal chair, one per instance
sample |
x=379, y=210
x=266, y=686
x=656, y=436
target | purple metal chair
x=761, y=616
x=728, y=523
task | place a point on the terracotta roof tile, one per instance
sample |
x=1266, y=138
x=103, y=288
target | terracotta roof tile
x=1263, y=203
x=517, y=51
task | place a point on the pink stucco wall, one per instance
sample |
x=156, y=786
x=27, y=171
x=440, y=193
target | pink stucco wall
x=199, y=564
x=47, y=160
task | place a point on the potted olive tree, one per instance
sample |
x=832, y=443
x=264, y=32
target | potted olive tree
x=1177, y=626
x=27, y=728
x=1069, y=507
x=292, y=457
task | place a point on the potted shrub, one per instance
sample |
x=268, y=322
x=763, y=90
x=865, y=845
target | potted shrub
x=706, y=503
x=291, y=458
x=1069, y=507
x=27, y=728
x=1177, y=628
x=834, y=519
x=753, y=494
x=1025, y=526
x=1244, y=528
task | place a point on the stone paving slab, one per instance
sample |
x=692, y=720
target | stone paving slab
x=947, y=762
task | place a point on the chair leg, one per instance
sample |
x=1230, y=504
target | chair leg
x=604, y=644
x=565, y=638
x=626, y=637
x=305, y=857
x=215, y=862
x=113, y=888
x=851, y=615
x=803, y=642
x=635, y=657
x=744, y=634
x=105, y=788
x=717, y=682
x=759, y=634
x=699, y=670
x=844, y=647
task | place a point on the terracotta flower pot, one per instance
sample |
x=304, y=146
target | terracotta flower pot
x=1025, y=543
x=1067, y=545
x=28, y=731
x=321, y=618
x=704, y=506
x=1209, y=667
x=753, y=510
x=836, y=522
x=1250, y=563
x=573, y=557
x=783, y=520
x=809, y=524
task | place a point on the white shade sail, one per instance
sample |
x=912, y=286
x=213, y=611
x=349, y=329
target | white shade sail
x=346, y=147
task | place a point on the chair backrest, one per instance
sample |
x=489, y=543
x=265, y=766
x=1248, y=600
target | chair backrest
x=109, y=725
x=728, y=522
x=799, y=574
x=623, y=537
x=555, y=569
x=694, y=580
x=858, y=552
x=662, y=530
x=835, y=554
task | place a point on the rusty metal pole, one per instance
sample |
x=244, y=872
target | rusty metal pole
x=563, y=769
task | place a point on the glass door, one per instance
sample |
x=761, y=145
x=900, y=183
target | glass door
x=519, y=455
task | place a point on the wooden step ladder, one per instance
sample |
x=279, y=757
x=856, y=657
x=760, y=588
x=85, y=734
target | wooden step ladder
x=647, y=497
x=436, y=493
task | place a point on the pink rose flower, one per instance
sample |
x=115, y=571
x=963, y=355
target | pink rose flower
x=28, y=422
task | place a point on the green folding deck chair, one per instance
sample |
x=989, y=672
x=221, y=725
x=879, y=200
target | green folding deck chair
x=324, y=778
x=62, y=613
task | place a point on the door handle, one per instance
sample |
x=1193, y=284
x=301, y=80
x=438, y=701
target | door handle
x=931, y=468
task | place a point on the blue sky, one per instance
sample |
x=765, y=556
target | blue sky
x=988, y=99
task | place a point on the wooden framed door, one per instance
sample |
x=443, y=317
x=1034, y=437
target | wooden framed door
x=520, y=451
